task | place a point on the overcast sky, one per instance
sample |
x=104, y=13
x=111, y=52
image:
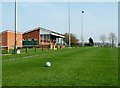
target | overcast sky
x=99, y=17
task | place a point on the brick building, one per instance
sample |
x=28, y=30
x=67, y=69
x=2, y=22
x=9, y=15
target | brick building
x=45, y=37
x=7, y=39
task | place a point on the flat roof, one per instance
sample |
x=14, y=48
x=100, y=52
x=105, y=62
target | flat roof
x=10, y=31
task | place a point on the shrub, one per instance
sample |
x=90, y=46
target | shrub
x=4, y=51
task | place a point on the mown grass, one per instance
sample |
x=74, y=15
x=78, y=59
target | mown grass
x=87, y=66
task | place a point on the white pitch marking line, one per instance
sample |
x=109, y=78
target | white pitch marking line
x=5, y=60
x=21, y=57
x=30, y=56
x=36, y=55
x=9, y=59
x=24, y=57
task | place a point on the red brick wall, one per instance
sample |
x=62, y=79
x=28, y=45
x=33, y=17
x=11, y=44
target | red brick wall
x=11, y=39
x=32, y=35
x=4, y=38
x=8, y=39
x=19, y=39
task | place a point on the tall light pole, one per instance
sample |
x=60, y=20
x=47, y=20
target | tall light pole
x=69, y=23
x=15, y=47
x=82, y=30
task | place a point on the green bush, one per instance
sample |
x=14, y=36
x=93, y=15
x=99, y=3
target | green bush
x=4, y=51
x=11, y=51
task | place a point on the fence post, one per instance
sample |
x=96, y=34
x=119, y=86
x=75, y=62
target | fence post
x=26, y=49
x=35, y=48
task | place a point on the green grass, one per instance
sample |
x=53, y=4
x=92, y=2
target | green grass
x=87, y=66
x=0, y=71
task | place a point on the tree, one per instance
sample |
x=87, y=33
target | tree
x=103, y=39
x=91, y=41
x=74, y=40
x=118, y=44
x=112, y=38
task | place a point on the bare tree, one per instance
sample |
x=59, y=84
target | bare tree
x=112, y=38
x=74, y=39
x=103, y=39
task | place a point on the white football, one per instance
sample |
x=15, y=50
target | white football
x=48, y=64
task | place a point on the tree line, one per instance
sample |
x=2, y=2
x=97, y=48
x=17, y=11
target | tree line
x=74, y=41
x=112, y=38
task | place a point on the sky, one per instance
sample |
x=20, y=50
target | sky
x=98, y=18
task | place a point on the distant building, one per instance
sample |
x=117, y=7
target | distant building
x=100, y=44
x=97, y=44
x=7, y=39
x=45, y=38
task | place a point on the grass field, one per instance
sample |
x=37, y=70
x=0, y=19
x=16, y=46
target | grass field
x=87, y=66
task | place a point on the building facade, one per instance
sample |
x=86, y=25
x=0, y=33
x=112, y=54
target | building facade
x=8, y=39
x=46, y=38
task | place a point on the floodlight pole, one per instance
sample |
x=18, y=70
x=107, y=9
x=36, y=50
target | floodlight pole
x=15, y=48
x=69, y=23
x=82, y=30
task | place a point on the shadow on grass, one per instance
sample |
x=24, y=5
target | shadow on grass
x=44, y=66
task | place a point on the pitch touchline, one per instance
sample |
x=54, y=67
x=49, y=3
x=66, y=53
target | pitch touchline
x=25, y=57
x=20, y=58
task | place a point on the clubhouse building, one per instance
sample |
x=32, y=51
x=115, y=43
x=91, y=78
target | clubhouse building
x=44, y=37
x=39, y=37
